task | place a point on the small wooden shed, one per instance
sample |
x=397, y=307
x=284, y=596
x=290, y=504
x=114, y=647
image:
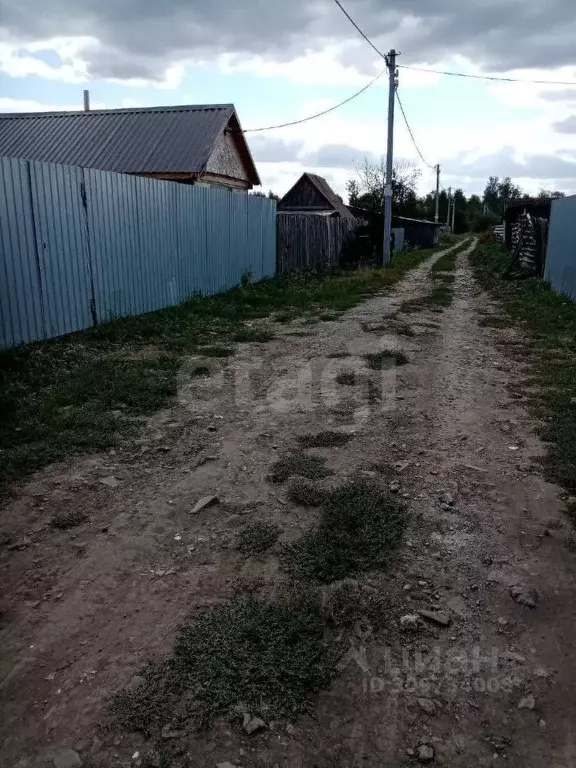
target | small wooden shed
x=313, y=226
x=313, y=194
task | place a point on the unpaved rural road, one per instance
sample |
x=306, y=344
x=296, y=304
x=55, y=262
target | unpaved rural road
x=82, y=609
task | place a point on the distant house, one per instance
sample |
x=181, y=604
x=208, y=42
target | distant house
x=419, y=233
x=313, y=194
x=189, y=144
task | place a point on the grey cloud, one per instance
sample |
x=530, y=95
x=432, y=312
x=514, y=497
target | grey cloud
x=568, y=125
x=143, y=38
x=502, y=163
x=566, y=94
x=337, y=156
x=270, y=150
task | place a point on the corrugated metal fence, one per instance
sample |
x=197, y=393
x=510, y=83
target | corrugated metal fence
x=310, y=241
x=561, y=251
x=80, y=246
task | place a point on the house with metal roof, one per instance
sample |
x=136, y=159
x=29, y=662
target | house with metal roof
x=313, y=194
x=197, y=144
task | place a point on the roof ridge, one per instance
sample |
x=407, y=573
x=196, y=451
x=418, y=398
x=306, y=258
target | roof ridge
x=118, y=110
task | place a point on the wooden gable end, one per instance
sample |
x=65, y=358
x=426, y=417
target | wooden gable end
x=304, y=196
x=226, y=160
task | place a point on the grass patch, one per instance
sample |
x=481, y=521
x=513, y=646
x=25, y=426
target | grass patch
x=443, y=279
x=200, y=370
x=216, y=351
x=360, y=528
x=306, y=494
x=253, y=335
x=494, y=321
x=326, y=439
x=346, y=378
x=257, y=538
x=411, y=306
x=56, y=405
x=403, y=329
x=378, y=361
x=570, y=510
x=346, y=603
x=157, y=760
x=302, y=464
x=548, y=323
x=440, y=296
x=447, y=262
x=249, y=655
x=64, y=520
x=57, y=396
x=446, y=277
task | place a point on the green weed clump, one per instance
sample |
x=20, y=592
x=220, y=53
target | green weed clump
x=360, y=528
x=257, y=538
x=250, y=655
x=299, y=463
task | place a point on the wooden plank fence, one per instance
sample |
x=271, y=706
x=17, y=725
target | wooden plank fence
x=310, y=241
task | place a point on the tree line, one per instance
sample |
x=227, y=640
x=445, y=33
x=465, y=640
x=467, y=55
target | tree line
x=475, y=213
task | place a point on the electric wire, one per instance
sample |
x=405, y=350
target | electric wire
x=319, y=114
x=364, y=35
x=417, y=148
x=495, y=78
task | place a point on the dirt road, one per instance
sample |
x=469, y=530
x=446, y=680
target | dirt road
x=487, y=680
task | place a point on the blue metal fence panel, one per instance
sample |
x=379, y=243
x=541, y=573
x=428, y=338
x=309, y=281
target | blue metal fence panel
x=190, y=223
x=62, y=243
x=80, y=246
x=115, y=244
x=561, y=251
x=21, y=318
x=268, y=225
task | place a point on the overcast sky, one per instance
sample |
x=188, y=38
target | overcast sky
x=278, y=60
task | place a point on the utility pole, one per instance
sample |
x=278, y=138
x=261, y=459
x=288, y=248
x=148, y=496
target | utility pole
x=449, y=200
x=453, y=212
x=386, y=251
x=437, y=193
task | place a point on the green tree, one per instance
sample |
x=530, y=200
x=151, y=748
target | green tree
x=491, y=196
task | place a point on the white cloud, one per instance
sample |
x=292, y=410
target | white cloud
x=30, y=105
x=17, y=61
x=23, y=61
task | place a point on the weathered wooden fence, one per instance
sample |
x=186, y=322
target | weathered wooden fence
x=80, y=246
x=310, y=241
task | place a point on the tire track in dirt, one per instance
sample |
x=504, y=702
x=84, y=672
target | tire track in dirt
x=112, y=592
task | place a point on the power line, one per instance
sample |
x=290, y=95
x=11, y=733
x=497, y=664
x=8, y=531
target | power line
x=319, y=114
x=447, y=72
x=410, y=131
x=487, y=77
x=364, y=35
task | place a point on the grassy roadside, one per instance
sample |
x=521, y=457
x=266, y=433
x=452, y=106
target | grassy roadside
x=548, y=319
x=87, y=391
